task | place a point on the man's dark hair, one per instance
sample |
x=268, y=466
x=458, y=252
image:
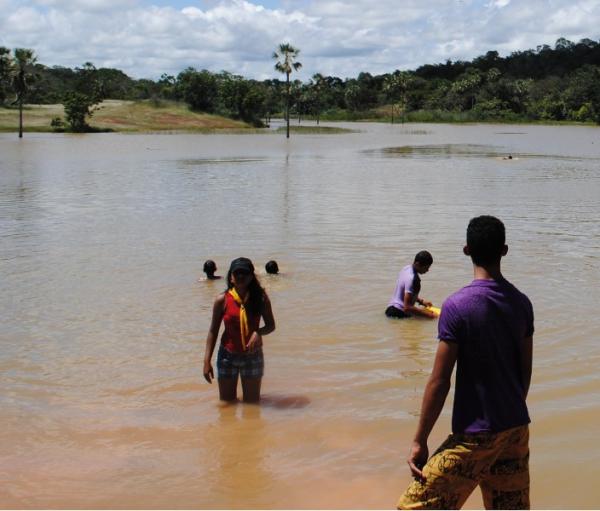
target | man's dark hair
x=424, y=258
x=485, y=238
x=209, y=266
x=272, y=267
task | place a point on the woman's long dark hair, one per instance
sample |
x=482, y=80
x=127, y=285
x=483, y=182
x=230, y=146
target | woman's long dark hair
x=256, y=294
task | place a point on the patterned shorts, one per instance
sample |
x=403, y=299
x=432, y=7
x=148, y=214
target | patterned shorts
x=248, y=365
x=497, y=462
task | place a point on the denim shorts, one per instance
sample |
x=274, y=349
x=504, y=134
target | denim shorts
x=247, y=365
x=395, y=312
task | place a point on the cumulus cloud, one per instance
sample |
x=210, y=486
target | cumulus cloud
x=146, y=38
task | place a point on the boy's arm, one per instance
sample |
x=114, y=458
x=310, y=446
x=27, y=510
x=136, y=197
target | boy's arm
x=526, y=363
x=436, y=391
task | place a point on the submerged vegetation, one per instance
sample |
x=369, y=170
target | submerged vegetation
x=548, y=84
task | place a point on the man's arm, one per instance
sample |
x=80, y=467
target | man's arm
x=436, y=391
x=526, y=363
x=411, y=309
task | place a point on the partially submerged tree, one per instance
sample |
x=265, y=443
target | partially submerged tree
x=286, y=56
x=24, y=59
x=82, y=102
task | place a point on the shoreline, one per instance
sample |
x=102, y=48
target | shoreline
x=169, y=117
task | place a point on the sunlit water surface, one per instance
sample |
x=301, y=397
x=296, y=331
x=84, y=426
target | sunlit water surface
x=102, y=241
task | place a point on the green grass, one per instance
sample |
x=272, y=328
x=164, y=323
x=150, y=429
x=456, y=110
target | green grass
x=35, y=118
x=132, y=116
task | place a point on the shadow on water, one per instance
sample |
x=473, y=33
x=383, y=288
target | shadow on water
x=284, y=401
x=464, y=151
x=281, y=402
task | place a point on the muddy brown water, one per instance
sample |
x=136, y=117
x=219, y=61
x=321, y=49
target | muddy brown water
x=102, y=241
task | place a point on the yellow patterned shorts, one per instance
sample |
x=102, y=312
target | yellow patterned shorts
x=497, y=462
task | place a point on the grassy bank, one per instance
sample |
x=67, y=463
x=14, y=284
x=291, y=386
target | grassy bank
x=114, y=115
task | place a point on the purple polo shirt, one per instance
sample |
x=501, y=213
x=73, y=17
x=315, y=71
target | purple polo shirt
x=408, y=282
x=488, y=320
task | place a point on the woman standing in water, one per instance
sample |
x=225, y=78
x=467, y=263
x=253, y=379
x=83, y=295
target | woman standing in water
x=240, y=308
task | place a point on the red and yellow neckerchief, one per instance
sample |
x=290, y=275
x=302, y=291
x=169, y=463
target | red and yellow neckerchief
x=244, y=330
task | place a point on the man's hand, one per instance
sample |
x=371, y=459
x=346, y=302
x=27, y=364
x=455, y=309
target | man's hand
x=208, y=371
x=417, y=457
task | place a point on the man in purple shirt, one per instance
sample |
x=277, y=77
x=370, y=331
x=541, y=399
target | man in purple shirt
x=403, y=303
x=486, y=328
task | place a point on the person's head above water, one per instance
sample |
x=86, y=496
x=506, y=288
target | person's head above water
x=423, y=260
x=272, y=267
x=486, y=240
x=210, y=268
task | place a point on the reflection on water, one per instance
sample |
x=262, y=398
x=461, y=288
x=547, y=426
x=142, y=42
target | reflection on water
x=469, y=151
x=104, y=319
x=445, y=151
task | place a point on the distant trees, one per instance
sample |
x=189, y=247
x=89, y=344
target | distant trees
x=546, y=83
x=198, y=89
x=286, y=56
x=5, y=69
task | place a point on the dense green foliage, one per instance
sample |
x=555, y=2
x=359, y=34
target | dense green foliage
x=548, y=84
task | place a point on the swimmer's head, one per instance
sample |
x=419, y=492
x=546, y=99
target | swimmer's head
x=272, y=267
x=209, y=267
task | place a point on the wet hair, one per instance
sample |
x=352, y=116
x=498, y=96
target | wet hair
x=272, y=267
x=486, y=237
x=209, y=266
x=424, y=258
x=256, y=293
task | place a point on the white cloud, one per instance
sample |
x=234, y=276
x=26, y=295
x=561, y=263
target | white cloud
x=335, y=37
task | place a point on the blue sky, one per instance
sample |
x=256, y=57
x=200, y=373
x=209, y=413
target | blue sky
x=146, y=38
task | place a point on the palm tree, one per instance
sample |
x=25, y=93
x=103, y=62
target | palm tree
x=23, y=61
x=396, y=86
x=318, y=84
x=286, y=56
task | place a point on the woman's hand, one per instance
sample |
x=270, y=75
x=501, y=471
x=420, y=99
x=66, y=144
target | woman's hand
x=255, y=342
x=208, y=371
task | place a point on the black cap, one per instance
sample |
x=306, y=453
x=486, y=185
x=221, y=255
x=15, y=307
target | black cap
x=242, y=263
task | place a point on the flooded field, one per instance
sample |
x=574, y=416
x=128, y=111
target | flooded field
x=102, y=240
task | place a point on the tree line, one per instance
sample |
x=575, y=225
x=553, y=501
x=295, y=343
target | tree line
x=549, y=83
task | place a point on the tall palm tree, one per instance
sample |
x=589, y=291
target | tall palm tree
x=396, y=86
x=24, y=59
x=318, y=84
x=286, y=56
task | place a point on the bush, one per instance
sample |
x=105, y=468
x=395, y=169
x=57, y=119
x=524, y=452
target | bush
x=78, y=106
x=57, y=124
